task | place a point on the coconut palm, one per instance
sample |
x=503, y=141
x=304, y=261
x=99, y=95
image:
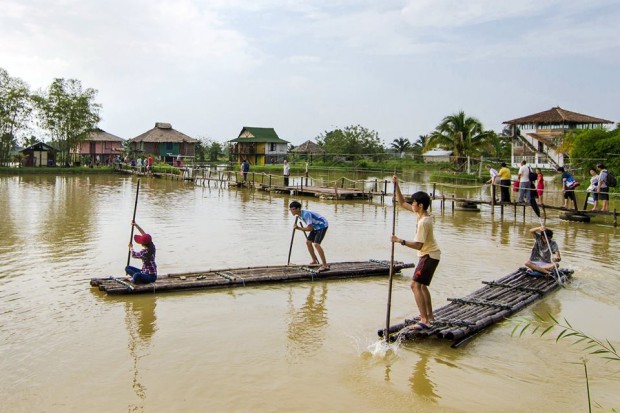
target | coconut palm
x=420, y=145
x=401, y=145
x=464, y=136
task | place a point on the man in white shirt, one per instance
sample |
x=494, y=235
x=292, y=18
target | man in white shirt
x=524, y=182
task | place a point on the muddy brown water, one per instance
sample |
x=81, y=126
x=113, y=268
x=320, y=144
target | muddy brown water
x=287, y=347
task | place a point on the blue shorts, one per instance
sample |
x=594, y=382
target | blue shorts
x=317, y=235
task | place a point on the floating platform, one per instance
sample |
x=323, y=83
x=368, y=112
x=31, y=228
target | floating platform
x=241, y=277
x=464, y=317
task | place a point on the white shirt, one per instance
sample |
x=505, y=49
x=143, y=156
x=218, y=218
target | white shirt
x=287, y=170
x=524, y=173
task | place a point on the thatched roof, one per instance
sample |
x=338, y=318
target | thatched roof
x=555, y=116
x=39, y=146
x=163, y=132
x=250, y=134
x=100, y=135
x=308, y=147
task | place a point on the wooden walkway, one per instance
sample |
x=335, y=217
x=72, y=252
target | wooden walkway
x=241, y=277
x=464, y=317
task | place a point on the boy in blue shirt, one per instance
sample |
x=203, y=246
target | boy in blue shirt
x=317, y=225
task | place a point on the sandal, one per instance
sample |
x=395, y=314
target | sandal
x=421, y=326
x=323, y=268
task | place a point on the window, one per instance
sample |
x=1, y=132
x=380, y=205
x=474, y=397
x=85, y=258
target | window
x=272, y=147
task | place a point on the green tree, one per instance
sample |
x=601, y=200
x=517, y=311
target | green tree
x=352, y=140
x=215, y=150
x=68, y=113
x=401, y=145
x=208, y=150
x=592, y=146
x=464, y=136
x=15, y=113
x=420, y=145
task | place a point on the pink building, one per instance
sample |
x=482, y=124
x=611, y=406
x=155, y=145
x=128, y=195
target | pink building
x=100, y=147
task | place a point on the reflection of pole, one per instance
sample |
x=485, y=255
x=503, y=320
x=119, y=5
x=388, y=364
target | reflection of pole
x=140, y=322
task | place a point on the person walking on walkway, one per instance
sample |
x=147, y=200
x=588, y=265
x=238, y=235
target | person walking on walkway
x=568, y=188
x=603, y=187
x=429, y=253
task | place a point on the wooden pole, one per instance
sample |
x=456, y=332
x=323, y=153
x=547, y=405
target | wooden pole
x=386, y=334
x=290, y=249
x=135, y=207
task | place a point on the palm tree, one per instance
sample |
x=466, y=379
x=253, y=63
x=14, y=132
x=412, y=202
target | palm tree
x=420, y=145
x=401, y=145
x=464, y=135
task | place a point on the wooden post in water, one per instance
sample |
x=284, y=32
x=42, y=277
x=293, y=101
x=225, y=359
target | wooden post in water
x=434, y=189
x=453, y=204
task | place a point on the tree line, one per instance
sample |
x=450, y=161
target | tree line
x=65, y=111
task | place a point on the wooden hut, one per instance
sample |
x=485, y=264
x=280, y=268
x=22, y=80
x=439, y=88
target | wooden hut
x=537, y=137
x=309, y=149
x=39, y=154
x=100, y=147
x=164, y=143
x=259, y=146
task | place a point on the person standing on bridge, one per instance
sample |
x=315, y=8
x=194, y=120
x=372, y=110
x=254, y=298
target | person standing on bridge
x=428, y=253
x=504, y=176
x=524, y=183
x=287, y=172
x=494, y=181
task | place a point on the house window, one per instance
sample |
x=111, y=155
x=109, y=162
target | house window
x=272, y=147
x=168, y=146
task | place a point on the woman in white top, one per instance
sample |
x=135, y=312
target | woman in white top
x=592, y=189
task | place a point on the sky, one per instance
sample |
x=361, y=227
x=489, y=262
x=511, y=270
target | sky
x=397, y=67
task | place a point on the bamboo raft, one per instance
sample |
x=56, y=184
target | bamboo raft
x=463, y=318
x=241, y=277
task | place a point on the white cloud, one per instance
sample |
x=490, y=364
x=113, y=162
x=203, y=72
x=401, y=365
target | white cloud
x=396, y=66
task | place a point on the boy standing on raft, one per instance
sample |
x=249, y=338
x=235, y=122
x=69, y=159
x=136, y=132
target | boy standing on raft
x=428, y=253
x=317, y=225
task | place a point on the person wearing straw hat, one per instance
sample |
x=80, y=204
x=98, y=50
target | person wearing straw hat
x=541, y=262
x=428, y=253
x=148, y=273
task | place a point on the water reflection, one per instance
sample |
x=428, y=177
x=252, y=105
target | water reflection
x=306, y=327
x=140, y=321
x=420, y=381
